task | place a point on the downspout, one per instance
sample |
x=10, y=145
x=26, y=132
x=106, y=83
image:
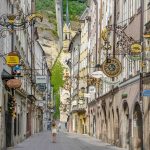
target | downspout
x=100, y=18
x=96, y=4
x=114, y=27
x=13, y=91
x=141, y=72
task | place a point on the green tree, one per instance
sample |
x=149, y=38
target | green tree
x=57, y=82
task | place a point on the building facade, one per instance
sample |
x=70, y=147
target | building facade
x=118, y=110
x=20, y=116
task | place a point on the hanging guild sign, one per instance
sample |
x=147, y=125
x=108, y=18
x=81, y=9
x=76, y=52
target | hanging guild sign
x=112, y=68
x=135, y=51
x=12, y=59
x=14, y=83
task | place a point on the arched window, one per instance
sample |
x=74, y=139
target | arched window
x=66, y=37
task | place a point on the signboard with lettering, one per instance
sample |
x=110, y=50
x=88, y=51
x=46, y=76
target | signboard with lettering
x=41, y=79
x=97, y=74
x=12, y=59
x=135, y=51
x=87, y=95
x=92, y=89
x=146, y=93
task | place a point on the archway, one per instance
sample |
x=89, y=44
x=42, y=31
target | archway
x=112, y=127
x=94, y=126
x=137, y=128
x=116, y=131
x=104, y=124
x=109, y=128
x=125, y=124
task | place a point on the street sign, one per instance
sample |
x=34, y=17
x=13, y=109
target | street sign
x=92, y=89
x=41, y=79
x=42, y=87
x=146, y=93
x=97, y=74
x=87, y=95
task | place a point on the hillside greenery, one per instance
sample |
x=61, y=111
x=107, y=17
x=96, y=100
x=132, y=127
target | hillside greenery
x=76, y=8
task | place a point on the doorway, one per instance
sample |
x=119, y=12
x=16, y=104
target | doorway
x=8, y=127
x=137, y=128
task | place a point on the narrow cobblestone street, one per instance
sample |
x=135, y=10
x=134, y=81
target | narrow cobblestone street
x=65, y=141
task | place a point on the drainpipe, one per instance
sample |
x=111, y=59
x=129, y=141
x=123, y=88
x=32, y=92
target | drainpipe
x=96, y=4
x=114, y=27
x=13, y=91
x=141, y=72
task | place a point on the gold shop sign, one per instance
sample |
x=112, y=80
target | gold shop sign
x=136, y=49
x=12, y=59
x=113, y=68
x=104, y=34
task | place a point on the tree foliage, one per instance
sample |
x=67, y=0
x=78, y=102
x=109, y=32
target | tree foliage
x=76, y=8
x=57, y=82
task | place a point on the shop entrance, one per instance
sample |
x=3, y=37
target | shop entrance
x=8, y=125
x=137, y=128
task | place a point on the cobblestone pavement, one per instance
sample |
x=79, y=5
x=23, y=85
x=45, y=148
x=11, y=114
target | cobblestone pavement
x=65, y=141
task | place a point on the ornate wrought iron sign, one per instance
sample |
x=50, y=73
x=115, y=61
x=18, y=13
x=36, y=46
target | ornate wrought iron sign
x=135, y=51
x=113, y=68
x=15, y=22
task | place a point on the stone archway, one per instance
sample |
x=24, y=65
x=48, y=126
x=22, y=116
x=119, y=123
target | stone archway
x=125, y=126
x=116, y=130
x=112, y=128
x=104, y=124
x=94, y=125
x=109, y=128
x=137, y=128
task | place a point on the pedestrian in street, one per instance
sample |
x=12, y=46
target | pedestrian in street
x=54, y=131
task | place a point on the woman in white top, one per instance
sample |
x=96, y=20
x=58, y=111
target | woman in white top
x=54, y=132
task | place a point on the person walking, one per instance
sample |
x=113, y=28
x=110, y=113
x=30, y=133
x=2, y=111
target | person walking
x=54, y=131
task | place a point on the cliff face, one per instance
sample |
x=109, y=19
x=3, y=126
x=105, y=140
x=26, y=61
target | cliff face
x=51, y=27
x=49, y=41
x=47, y=30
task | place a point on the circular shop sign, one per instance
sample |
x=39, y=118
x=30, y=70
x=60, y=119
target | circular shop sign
x=112, y=69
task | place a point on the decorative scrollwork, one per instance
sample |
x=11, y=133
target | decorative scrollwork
x=124, y=41
x=16, y=22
